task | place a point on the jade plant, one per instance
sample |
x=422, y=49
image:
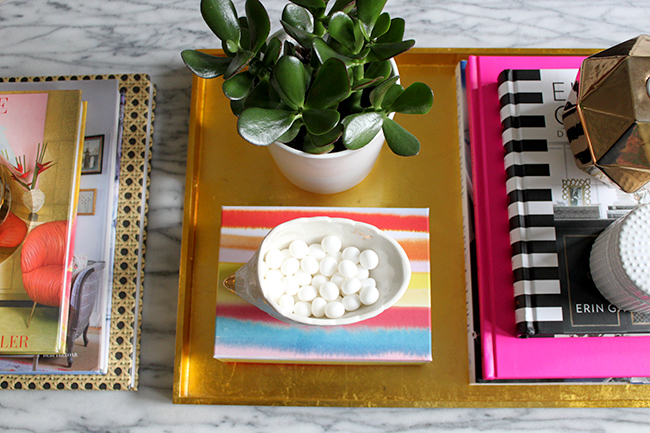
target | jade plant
x=324, y=84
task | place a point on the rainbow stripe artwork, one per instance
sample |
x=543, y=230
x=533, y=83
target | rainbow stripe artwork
x=399, y=335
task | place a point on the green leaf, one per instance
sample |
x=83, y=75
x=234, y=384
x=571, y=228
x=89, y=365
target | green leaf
x=330, y=86
x=262, y=126
x=369, y=10
x=378, y=93
x=378, y=69
x=327, y=138
x=230, y=46
x=400, y=141
x=341, y=28
x=364, y=83
x=360, y=36
x=415, y=99
x=239, y=62
x=395, y=32
x=343, y=6
x=221, y=17
x=310, y=147
x=272, y=52
x=360, y=129
x=320, y=121
x=259, y=24
x=245, y=39
x=389, y=50
x=238, y=87
x=289, y=75
x=205, y=65
x=263, y=95
x=304, y=38
x=391, y=95
x=292, y=133
x=298, y=17
x=325, y=52
x=237, y=107
x=381, y=26
x=313, y=4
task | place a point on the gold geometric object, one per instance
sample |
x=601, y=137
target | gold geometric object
x=607, y=116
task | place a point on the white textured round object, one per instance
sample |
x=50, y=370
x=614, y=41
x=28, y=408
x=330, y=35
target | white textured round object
x=298, y=248
x=334, y=310
x=620, y=261
x=331, y=244
x=392, y=274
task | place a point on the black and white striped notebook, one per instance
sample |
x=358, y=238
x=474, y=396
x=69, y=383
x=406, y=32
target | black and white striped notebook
x=545, y=187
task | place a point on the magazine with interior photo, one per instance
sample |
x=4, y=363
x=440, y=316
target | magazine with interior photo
x=88, y=325
x=41, y=134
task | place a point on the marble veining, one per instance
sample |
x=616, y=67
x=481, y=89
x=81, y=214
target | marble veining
x=46, y=37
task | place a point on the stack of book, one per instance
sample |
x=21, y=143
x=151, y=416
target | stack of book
x=531, y=217
x=74, y=156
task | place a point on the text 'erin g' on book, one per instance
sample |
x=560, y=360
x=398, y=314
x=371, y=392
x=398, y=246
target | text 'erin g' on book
x=503, y=354
x=41, y=137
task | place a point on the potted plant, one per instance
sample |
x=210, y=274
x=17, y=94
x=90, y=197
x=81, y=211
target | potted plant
x=322, y=90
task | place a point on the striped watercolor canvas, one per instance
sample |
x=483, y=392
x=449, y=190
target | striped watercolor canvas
x=401, y=334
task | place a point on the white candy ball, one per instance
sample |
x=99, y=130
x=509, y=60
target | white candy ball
x=318, y=280
x=309, y=265
x=351, y=302
x=347, y=268
x=352, y=254
x=286, y=302
x=290, y=266
x=353, y=285
x=274, y=274
x=285, y=252
x=369, y=295
x=307, y=293
x=362, y=273
x=298, y=249
x=337, y=279
x=274, y=288
x=331, y=243
x=329, y=291
x=291, y=285
x=318, y=307
x=336, y=255
x=369, y=259
x=274, y=258
x=368, y=282
x=302, y=309
x=304, y=279
x=334, y=310
x=328, y=266
x=316, y=251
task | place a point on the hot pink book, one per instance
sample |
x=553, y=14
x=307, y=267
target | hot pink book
x=504, y=355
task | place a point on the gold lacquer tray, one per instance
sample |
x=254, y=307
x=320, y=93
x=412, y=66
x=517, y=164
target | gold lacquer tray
x=222, y=169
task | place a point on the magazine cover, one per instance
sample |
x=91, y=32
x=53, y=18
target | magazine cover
x=87, y=338
x=40, y=142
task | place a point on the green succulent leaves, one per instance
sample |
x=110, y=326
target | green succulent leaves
x=329, y=84
x=205, y=65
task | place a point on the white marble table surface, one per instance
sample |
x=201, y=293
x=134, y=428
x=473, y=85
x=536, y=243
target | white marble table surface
x=52, y=37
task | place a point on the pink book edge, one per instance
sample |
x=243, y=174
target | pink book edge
x=504, y=355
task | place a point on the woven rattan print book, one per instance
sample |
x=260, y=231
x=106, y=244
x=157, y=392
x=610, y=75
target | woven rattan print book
x=110, y=243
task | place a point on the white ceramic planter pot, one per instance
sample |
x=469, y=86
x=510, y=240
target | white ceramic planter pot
x=329, y=173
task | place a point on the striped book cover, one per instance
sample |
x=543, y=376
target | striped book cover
x=399, y=335
x=555, y=212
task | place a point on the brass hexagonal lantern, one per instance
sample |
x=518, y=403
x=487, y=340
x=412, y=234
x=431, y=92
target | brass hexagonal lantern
x=607, y=117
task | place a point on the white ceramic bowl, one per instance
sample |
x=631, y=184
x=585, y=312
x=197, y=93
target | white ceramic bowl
x=393, y=273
